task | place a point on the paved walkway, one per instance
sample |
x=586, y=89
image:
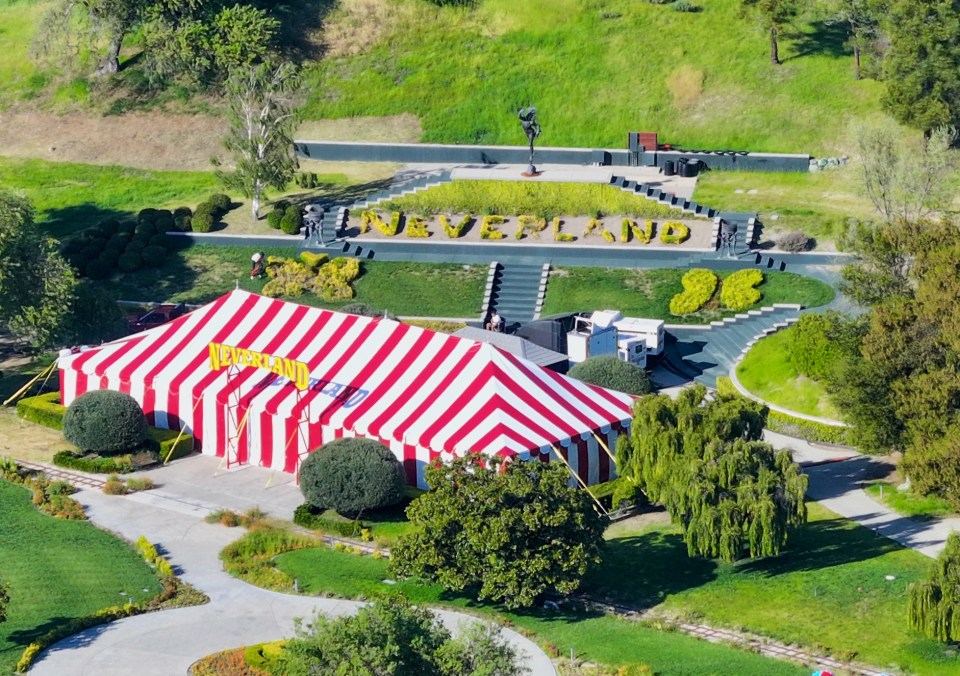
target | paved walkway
x=168, y=642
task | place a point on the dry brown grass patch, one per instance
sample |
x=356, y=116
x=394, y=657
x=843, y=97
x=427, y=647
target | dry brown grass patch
x=686, y=85
x=357, y=25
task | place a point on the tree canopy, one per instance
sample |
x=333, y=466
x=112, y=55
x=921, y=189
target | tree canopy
x=390, y=636
x=508, y=533
x=613, y=373
x=935, y=602
x=36, y=283
x=731, y=494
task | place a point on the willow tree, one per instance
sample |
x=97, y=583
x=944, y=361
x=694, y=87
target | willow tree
x=731, y=494
x=935, y=602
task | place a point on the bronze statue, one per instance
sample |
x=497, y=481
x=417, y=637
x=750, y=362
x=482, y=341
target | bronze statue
x=528, y=118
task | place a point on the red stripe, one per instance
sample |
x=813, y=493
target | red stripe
x=604, y=458
x=583, y=461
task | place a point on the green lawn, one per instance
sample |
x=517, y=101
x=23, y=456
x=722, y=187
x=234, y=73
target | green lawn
x=200, y=273
x=70, y=197
x=58, y=570
x=767, y=372
x=909, y=503
x=647, y=293
x=594, y=637
x=819, y=204
x=703, y=80
x=828, y=588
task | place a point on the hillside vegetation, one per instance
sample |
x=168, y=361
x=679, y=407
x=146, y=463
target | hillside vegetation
x=594, y=68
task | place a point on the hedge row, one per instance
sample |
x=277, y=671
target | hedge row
x=307, y=516
x=619, y=490
x=44, y=409
x=792, y=426
x=162, y=441
x=674, y=232
x=699, y=286
x=117, y=464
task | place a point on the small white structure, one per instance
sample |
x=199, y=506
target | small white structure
x=650, y=330
x=598, y=335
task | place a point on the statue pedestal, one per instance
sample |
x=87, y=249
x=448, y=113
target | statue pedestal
x=530, y=172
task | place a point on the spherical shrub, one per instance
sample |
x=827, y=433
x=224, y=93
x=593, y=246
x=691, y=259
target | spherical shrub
x=292, y=220
x=352, y=475
x=130, y=262
x=109, y=257
x=164, y=223
x=135, y=246
x=794, y=242
x=160, y=240
x=71, y=246
x=146, y=229
x=220, y=202
x=117, y=243
x=97, y=269
x=274, y=218
x=105, y=421
x=108, y=227
x=612, y=373
x=90, y=252
x=182, y=217
x=154, y=256
x=127, y=226
x=204, y=216
x=147, y=216
x=79, y=262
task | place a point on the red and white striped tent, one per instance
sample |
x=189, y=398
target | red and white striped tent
x=263, y=381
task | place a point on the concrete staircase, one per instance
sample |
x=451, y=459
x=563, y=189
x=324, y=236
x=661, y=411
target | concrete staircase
x=516, y=291
x=663, y=197
x=703, y=353
x=401, y=189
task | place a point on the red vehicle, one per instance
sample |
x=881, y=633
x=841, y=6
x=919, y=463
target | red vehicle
x=161, y=314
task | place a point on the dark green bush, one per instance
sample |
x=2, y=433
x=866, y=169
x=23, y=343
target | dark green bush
x=118, y=243
x=204, y=216
x=72, y=246
x=164, y=223
x=109, y=257
x=182, y=217
x=117, y=464
x=820, y=342
x=154, y=256
x=90, y=252
x=146, y=229
x=128, y=227
x=147, y=215
x=97, y=269
x=130, y=262
x=276, y=216
x=292, y=220
x=161, y=241
x=136, y=246
x=79, y=262
x=44, y=409
x=352, y=475
x=310, y=517
x=220, y=202
x=105, y=421
x=162, y=441
x=108, y=227
x=612, y=373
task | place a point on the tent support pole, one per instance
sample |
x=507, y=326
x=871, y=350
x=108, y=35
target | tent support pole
x=580, y=481
x=176, y=441
x=19, y=393
x=604, y=447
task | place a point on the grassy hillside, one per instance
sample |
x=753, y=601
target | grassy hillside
x=594, y=68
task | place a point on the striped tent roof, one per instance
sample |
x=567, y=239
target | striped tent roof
x=375, y=377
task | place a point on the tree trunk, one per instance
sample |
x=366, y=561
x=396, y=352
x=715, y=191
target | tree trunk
x=255, y=202
x=856, y=60
x=111, y=62
x=774, y=50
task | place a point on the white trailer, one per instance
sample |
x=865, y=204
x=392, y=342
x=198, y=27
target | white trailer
x=598, y=335
x=649, y=330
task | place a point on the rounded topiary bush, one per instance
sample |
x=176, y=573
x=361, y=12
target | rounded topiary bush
x=160, y=240
x=109, y=256
x=135, y=246
x=127, y=226
x=146, y=229
x=182, y=218
x=130, y=262
x=612, y=373
x=292, y=220
x=204, y=216
x=352, y=475
x=108, y=227
x=794, y=242
x=220, y=202
x=164, y=223
x=154, y=256
x=105, y=421
x=147, y=215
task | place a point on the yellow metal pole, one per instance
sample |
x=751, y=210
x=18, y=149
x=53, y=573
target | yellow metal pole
x=579, y=480
x=180, y=436
x=19, y=393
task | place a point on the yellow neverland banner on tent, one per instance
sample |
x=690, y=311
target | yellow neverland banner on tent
x=226, y=355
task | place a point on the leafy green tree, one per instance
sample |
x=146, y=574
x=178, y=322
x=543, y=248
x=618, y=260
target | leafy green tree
x=821, y=342
x=935, y=602
x=774, y=15
x=933, y=464
x=4, y=600
x=613, y=373
x=392, y=637
x=36, y=283
x=511, y=533
x=731, y=494
x=352, y=476
x=263, y=102
x=95, y=316
x=861, y=18
x=922, y=65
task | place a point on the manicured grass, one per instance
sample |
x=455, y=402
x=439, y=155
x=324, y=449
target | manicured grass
x=594, y=637
x=58, y=570
x=518, y=198
x=70, y=197
x=704, y=79
x=647, y=293
x=909, y=503
x=819, y=204
x=767, y=372
x=827, y=589
x=200, y=273
x=18, y=19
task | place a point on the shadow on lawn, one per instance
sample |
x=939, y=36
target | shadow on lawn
x=824, y=38
x=63, y=223
x=25, y=637
x=643, y=570
x=823, y=544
